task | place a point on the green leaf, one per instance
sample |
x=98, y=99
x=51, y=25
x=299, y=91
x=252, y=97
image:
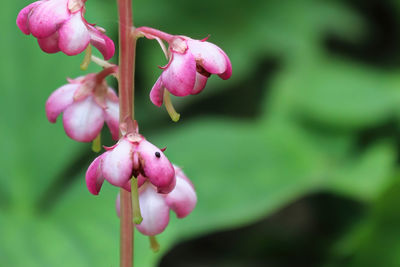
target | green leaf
x=374, y=241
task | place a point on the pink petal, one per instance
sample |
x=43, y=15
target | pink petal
x=59, y=100
x=180, y=76
x=158, y=170
x=94, y=177
x=83, y=120
x=102, y=42
x=157, y=93
x=111, y=116
x=141, y=180
x=208, y=55
x=118, y=163
x=183, y=198
x=127, y=186
x=112, y=96
x=22, y=18
x=49, y=44
x=154, y=210
x=182, y=175
x=47, y=17
x=167, y=189
x=74, y=36
x=228, y=72
x=201, y=82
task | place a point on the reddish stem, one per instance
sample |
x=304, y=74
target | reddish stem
x=104, y=73
x=127, y=47
x=126, y=230
x=157, y=33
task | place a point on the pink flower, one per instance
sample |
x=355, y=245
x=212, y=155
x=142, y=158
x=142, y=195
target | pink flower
x=191, y=62
x=155, y=207
x=133, y=155
x=86, y=103
x=59, y=25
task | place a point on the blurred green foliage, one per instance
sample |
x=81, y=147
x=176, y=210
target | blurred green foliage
x=251, y=145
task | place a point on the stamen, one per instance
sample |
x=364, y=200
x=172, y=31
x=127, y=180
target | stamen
x=86, y=60
x=96, y=144
x=170, y=108
x=154, y=245
x=137, y=216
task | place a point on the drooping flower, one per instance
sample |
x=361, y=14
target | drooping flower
x=191, y=62
x=86, y=102
x=134, y=156
x=155, y=207
x=59, y=25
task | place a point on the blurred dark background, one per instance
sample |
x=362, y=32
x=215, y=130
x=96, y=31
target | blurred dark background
x=295, y=158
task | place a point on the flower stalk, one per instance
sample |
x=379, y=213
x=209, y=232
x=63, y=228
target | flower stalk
x=156, y=33
x=127, y=47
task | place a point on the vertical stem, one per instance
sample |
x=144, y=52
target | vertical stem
x=127, y=47
x=126, y=230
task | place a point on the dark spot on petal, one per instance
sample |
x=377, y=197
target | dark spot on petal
x=202, y=71
x=158, y=155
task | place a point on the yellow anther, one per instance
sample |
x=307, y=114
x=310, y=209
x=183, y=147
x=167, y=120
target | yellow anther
x=86, y=60
x=170, y=108
x=96, y=144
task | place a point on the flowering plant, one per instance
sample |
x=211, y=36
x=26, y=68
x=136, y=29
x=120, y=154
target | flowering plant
x=149, y=184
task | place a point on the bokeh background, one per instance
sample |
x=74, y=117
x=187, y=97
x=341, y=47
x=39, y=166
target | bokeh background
x=295, y=159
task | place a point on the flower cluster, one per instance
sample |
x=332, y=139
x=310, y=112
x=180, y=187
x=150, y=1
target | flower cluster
x=87, y=102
